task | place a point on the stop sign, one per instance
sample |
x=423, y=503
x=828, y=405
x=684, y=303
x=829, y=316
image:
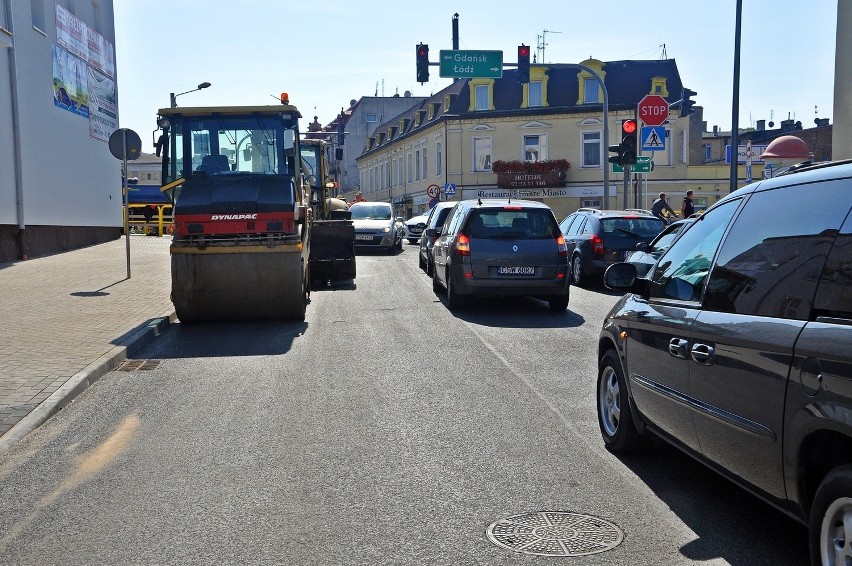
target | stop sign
x=653, y=110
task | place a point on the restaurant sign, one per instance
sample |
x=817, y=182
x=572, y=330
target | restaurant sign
x=530, y=180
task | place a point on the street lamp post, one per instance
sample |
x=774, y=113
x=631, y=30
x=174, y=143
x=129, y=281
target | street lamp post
x=173, y=96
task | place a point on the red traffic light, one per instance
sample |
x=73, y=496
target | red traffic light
x=423, y=51
x=523, y=51
x=628, y=127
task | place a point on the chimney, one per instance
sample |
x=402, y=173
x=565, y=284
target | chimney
x=715, y=130
x=761, y=125
x=788, y=125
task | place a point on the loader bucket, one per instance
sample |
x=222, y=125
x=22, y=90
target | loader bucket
x=254, y=282
x=332, y=255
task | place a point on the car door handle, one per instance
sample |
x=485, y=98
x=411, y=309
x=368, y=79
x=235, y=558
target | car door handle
x=677, y=347
x=703, y=354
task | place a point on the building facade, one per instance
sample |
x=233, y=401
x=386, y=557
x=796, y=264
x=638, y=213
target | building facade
x=356, y=124
x=60, y=187
x=453, y=139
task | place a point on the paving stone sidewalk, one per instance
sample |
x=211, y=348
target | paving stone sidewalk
x=68, y=318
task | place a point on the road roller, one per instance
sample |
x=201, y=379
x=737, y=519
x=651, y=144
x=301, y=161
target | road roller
x=242, y=233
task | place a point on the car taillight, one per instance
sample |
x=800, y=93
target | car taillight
x=597, y=244
x=563, y=247
x=463, y=245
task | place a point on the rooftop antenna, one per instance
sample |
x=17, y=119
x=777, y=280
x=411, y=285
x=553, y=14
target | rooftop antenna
x=377, y=89
x=542, y=43
x=663, y=55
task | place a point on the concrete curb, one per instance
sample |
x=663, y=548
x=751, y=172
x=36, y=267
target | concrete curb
x=84, y=378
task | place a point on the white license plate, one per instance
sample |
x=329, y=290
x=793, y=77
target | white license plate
x=363, y=236
x=516, y=270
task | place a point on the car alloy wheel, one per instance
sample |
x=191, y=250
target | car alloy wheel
x=577, y=270
x=614, y=415
x=831, y=519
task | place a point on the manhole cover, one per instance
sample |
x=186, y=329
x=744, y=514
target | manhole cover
x=554, y=533
x=138, y=365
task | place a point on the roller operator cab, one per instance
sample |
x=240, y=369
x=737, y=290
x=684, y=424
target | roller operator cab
x=242, y=231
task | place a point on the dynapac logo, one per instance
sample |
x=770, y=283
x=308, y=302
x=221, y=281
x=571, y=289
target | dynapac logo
x=233, y=217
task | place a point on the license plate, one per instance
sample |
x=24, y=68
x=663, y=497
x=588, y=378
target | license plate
x=363, y=236
x=627, y=255
x=515, y=270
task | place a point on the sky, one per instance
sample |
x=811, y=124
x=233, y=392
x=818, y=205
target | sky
x=325, y=53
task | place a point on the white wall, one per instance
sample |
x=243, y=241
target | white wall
x=69, y=178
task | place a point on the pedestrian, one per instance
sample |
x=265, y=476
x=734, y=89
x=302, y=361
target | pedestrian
x=661, y=208
x=687, y=207
x=358, y=198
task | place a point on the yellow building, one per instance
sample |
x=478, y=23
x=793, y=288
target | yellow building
x=458, y=138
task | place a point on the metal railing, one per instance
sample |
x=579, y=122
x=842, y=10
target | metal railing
x=158, y=223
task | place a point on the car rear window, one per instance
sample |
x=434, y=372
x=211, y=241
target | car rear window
x=532, y=223
x=639, y=227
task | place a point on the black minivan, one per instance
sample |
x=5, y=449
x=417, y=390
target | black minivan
x=737, y=349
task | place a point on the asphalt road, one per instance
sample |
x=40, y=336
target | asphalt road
x=384, y=429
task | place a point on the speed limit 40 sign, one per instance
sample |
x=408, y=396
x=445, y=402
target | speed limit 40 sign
x=653, y=110
x=433, y=191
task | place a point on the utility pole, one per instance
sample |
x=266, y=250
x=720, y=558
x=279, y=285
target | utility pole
x=735, y=107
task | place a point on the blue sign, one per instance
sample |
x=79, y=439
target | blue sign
x=433, y=202
x=450, y=189
x=653, y=138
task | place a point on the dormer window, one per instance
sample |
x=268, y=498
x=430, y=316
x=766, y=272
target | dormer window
x=535, y=92
x=590, y=89
x=658, y=86
x=481, y=94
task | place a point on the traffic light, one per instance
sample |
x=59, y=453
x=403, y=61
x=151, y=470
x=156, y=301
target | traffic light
x=685, y=103
x=627, y=149
x=523, y=63
x=422, y=63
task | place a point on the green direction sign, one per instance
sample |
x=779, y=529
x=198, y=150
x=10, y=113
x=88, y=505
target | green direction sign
x=643, y=165
x=471, y=64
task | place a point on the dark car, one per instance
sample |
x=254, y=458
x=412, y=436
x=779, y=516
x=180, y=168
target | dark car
x=598, y=238
x=501, y=247
x=434, y=223
x=646, y=255
x=736, y=349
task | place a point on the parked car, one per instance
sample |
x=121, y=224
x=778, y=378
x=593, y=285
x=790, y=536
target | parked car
x=375, y=226
x=501, y=247
x=414, y=227
x=598, y=238
x=646, y=255
x=736, y=349
x=434, y=224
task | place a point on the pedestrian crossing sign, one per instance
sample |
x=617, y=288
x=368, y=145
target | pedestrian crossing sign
x=653, y=138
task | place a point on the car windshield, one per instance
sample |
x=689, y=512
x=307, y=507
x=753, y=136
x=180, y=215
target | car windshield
x=533, y=223
x=370, y=212
x=632, y=226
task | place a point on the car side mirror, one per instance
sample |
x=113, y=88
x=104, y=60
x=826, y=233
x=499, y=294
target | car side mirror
x=642, y=246
x=431, y=232
x=622, y=277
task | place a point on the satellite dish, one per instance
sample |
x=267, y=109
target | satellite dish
x=771, y=124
